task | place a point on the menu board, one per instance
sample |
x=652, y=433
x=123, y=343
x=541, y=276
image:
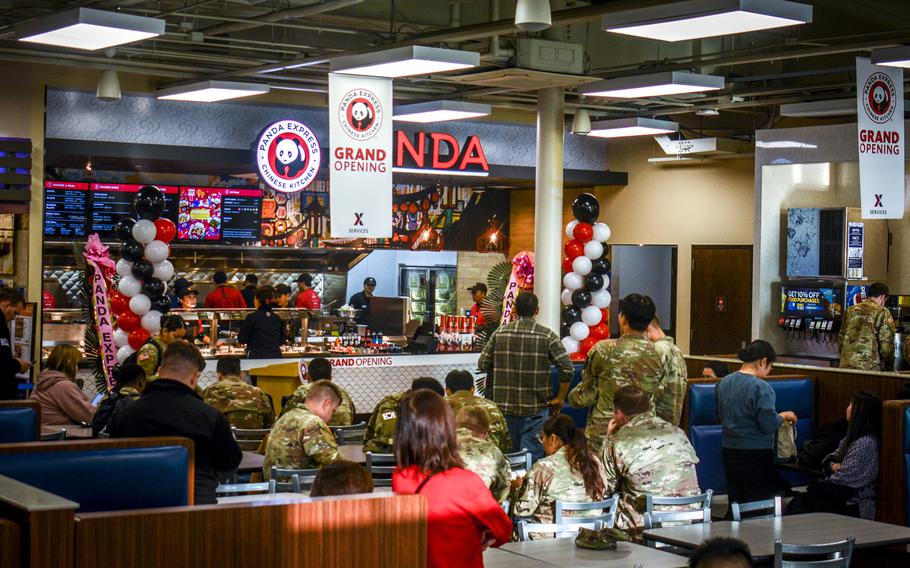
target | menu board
x=113, y=201
x=65, y=209
x=199, y=215
x=241, y=211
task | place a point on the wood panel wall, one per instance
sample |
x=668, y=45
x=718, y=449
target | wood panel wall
x=892, y=488
x=10, y=535
x=326, y=533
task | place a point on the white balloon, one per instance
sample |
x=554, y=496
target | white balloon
x=124, y=352
x=570, y=228
x=581, y=266
x=124, y=267
x=571, y=345
x=601, y=299
x=566, y=297
x=579, y=331
x=602, y=232
x=140, y=304
x=121, y=338
x=156, y=251
x=129, y=286
x=144, y=231
x=151, y=322
x=573, y=281
x=594, y=250
x=606, y=282
x=591, y=315
x=164, y=271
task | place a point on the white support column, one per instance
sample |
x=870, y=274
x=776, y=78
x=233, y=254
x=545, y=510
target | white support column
x=548, y=228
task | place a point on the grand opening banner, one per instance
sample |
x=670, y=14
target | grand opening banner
x=880, y=129
x=360, y=133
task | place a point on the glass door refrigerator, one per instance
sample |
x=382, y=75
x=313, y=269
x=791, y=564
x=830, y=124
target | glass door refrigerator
x=431, y=291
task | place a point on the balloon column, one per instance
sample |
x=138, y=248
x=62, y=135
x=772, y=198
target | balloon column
x=144, y=270
x=586, y=280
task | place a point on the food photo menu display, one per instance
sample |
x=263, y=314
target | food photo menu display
x=199, y=215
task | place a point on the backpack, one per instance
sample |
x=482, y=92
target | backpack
x=811, y=454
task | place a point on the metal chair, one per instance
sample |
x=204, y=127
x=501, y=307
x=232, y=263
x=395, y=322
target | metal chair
x=354, y=433
x=226, y=489
x=830, y=555
x=654, y=519
x=54, y=436
x=520, y=461
x=381, y=467
x=292, y=480
x=771, y=506
x=563, y=526
x=249, y=438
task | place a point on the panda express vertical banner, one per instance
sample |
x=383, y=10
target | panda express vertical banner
x=880, y=129
x=360, y=133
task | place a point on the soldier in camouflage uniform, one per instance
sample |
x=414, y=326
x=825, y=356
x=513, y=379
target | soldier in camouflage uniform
x=243, y=405
x=481, y=455
x=554, y=476
x=301, y=439
x=668, y=400
x=149, y=356
x=867, y=333
x=632, y=359
x=645, y=455
x=380, y=435
x=460, y=394
x=320, y=369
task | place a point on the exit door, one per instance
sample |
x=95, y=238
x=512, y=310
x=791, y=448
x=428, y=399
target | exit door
x=721, y=309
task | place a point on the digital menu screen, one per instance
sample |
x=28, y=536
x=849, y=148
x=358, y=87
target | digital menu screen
x=65, y=209
x=113, y=201
x=199, y=214
x=241, y=213
x=811, y=301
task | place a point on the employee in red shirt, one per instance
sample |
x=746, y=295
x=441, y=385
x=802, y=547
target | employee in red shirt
x=224, y=296
x=478, y=293
x=463, y=518
x=307, y=298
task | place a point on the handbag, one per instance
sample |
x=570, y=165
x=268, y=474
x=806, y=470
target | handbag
x=786, y=442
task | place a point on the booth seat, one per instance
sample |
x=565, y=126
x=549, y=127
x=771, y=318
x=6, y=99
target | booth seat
x=579, y=415
x=20, y=421
x=705, y=433
x=106, y=475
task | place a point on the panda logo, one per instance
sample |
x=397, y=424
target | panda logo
x=360, y=114
x=879, y=97
x=290, y=157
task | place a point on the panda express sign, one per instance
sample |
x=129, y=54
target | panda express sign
x=287, y=156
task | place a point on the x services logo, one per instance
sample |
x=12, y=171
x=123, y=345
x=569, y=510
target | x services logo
x=878, y=200
x=360, y=114
x=879, y=97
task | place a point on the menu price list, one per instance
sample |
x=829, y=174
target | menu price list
x=241, y=214
x=113, y=201
x=65, y=208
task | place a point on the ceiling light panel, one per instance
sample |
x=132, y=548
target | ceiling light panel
x=212, y=91
x=653, y=85
x=439, y=111
x=405, y=62
x=89, y=29
x=628, y=127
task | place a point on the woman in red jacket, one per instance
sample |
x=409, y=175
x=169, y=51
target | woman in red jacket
x=463, y=517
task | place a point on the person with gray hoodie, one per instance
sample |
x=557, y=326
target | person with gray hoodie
x=62, y=401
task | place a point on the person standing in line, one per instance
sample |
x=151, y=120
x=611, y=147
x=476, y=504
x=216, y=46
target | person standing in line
x=263, y=331
x=668, y=401
x=11, y=303
x=866, y=336
x=224, y=296
x=746, y=409
x=518, y=356
x=362, y=300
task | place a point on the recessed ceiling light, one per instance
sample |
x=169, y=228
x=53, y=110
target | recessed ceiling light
x=820, y=109
x=211, y=91
x=86, y=28
x=438, y=111
x=405, y=62
x=694, y=19
x=626, y=127
x=707, y=112
x=892, y=56
x=652, y=85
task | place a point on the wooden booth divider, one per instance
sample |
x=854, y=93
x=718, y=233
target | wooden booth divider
x=891, y=504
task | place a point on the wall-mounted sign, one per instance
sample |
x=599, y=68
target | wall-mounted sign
x=439, y=153
x=360, y=132
x=287, y=156
x=880, y=109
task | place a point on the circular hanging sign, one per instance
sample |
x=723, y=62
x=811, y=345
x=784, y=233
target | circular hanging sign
x=360, y=114
x=879, y=97
x=287, y=156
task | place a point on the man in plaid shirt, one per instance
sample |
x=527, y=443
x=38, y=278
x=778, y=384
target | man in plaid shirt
x=517, y=360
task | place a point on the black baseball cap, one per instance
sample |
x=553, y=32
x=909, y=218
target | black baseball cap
x=369, y=281
x=220, y=277
x=181, y=283
x=479, y=287
x=187, y=291
x=305, y=279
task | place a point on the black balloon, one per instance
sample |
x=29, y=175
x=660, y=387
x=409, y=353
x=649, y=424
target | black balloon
x=132, y=250
x=149, y=202
x=153, y=287
x=123, y=230
x=564, y=330
x=594, y=282
x=586, y=208
x=143, y=269
x=161, y=303
x=581, y=298
x=600, y=266
x=570, y=315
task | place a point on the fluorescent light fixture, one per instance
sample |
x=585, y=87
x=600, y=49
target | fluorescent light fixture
x=86, y=28
x=820, y=109
x=405, y=62
x=626, y=127
x=892, y=56
x=694, y=19
x=439, y=172
x=211, y=91
x=785, y=144
x=438, y=111
x=707, y=112
x=652, y=85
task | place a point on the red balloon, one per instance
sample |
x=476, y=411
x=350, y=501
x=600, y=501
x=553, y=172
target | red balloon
x=566, y=265
x=578, y=356
x=138, y=337
x=574, y=249
x=120, y=303
x=129, y=322
x=167, y=230
x=587, y=344
x=599, y=331
x=583, y=232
